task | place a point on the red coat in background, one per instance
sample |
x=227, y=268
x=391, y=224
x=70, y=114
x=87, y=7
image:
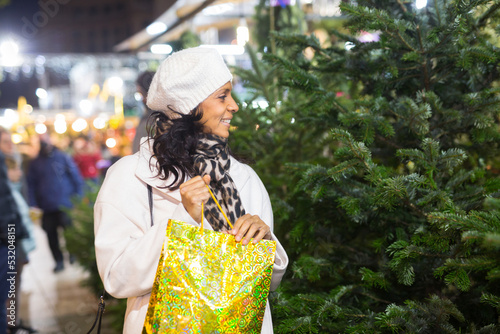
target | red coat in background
x=86, y=155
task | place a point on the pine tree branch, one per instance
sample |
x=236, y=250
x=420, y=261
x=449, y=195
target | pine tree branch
x=399, y=36
x=393, y=113
x=359, y=157
x=401, y=39
x=443, y=133
x=424, y=63
x=441, y=126
x=416, y=118
x=272, y=29
x=388, y=142
x=420, y=39
x=441, y=256
x=473, y=221
x=416, y=209
x=484, y=105
x=256, y=65
x=441, y=41
x=375, y=298
x=356, y=315
x=468, y=262
x=321, y=51
x=480, y=191
x=431, y=179
x=403, y=8
x=400, y=69
x=404, y=78
x=437, y=12
x=482, y=20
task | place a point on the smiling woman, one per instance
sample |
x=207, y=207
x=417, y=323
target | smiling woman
x=218, y=110
x=188, y=150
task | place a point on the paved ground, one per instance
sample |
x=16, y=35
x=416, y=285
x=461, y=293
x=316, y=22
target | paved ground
x=56, y=303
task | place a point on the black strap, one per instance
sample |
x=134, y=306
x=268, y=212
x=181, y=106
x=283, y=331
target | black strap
x=98, y=317
x=150, y=197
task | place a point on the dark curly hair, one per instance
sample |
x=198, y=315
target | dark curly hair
x=174, y=143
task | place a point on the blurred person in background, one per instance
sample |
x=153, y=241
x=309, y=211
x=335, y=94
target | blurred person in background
x=53, y=179
x=11, y=233
x=142, y=82
x=87, y=155
x=13, y=161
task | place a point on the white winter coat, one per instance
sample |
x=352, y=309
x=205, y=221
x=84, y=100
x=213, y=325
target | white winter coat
x=128, y=248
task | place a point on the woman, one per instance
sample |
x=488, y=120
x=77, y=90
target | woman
x=192, y=92
x=26, y=244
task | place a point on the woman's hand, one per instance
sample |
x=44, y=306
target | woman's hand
x=248, y=227
x=193, y=193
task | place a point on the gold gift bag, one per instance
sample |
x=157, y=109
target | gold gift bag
x=206, y=282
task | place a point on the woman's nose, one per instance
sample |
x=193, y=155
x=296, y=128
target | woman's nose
x=233, y=106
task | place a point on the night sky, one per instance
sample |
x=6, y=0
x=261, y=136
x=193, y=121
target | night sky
x=14, y=16
x=11, y=25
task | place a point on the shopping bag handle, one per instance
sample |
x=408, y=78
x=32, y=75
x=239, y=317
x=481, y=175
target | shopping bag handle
x=218, y=205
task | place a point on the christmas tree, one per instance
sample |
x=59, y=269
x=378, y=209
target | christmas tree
x=392, y=220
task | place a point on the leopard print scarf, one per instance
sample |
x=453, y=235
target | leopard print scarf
x=212, y=158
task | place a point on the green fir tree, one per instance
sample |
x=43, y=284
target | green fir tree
x=393, y=225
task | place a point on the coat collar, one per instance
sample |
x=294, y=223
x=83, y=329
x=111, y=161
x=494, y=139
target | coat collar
x=146, y=171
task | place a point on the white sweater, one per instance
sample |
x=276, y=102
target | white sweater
x=128, y=247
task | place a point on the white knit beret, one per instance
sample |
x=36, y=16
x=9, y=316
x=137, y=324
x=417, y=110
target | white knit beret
x=186, y=78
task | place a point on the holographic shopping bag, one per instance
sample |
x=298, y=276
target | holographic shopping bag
x=207, y=282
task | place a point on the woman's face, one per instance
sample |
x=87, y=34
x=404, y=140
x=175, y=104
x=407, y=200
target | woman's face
x=218, y=110
x=6, y=145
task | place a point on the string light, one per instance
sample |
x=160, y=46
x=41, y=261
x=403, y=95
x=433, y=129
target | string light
x=419, y=4
x=40, y=128
x=110, y=142
x=156, y=28
x=79, y=125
